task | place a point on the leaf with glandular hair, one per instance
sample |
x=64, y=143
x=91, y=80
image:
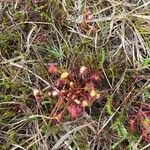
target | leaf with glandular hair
x=85, y=103
x=57, y=116
x=83, y=70
x=64, y=75
x=74, y=110
x=95, y=77
x=93, y=93
x=53, y=68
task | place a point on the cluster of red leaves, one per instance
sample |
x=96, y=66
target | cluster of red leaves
x=73, y=90
x=86, y=24
x=143, y=118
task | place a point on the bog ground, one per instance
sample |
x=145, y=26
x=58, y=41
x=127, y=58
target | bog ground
x=74, y=75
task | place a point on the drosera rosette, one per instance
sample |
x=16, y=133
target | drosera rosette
x=86, y=22
x=52, y=68
x=141, y=118
x=73, y=90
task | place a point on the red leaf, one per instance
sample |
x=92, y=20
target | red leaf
x=93, y=29
x=74, y=110
x=132, y=125
x=60, y=82
x=52, y=68
x=145, y=135
x=95, y=77
x=83, y=70
x=57, y=116
x=87, y=15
